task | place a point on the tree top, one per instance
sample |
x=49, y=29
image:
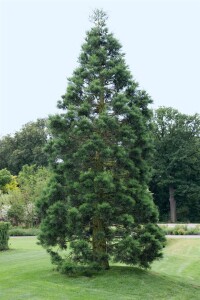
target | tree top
x=98, y=17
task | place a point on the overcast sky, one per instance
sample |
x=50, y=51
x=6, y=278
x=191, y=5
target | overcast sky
x=41, y=41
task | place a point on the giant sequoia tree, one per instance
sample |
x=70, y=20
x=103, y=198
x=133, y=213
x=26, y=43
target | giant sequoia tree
x=98, y=203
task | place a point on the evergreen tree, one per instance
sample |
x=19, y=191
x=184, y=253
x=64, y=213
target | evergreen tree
x=98, y=203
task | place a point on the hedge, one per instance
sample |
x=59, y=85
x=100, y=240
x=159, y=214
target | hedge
x=4, y=235
x=19, y=231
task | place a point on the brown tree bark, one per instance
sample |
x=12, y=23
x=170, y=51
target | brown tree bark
x=99, y=243
x=172, y=202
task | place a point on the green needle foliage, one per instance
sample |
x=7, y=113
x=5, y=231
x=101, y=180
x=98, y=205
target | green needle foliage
x=98, y=203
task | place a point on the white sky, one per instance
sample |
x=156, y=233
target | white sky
x=41, y=41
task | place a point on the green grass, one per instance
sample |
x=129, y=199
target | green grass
x=26, y=273
x=181, y=260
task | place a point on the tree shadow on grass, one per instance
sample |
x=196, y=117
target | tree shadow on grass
x=148, y=275
x=122, y=282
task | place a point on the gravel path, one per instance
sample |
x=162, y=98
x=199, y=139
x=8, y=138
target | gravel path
x=197, y=236
x=183, y=236
x=172, y=225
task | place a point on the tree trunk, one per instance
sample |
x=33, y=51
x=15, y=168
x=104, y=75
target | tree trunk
x=98, y=233
x=172, y=202
x=99, y=244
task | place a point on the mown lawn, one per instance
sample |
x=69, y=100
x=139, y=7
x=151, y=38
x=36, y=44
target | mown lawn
x=26, y=273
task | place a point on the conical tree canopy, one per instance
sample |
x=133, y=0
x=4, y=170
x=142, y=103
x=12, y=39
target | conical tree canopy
x=98, y=203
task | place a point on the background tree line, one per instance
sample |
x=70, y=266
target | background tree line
x=175, y=180
x=176, y=165
x=25, y=147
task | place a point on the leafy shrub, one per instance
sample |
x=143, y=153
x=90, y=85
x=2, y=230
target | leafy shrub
x=4, y=235
x=194, y=231
x=179, y=230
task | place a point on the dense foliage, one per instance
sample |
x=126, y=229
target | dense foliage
x=5, y=179
x=98, y=203
x=17, y=203
x=25, y=147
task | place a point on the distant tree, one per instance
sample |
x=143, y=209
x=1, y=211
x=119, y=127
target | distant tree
x=98, y=199
x=7, y=147
x=32, y=180
x=15, y=214
x=176, y=180
x=25, y=147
